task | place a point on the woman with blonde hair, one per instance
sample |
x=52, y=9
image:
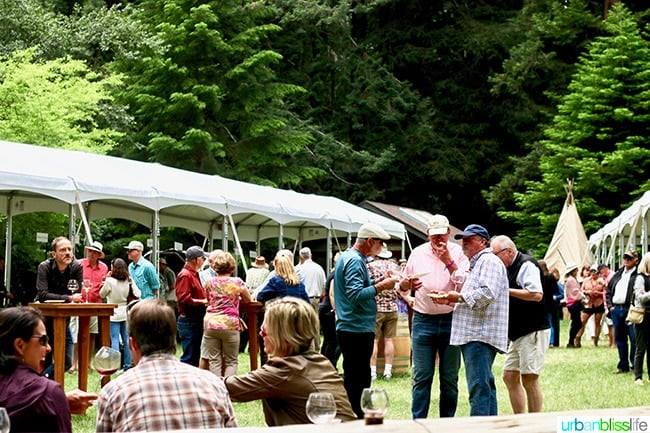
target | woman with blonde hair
x=221, y=323
x=642, y=330
x=285, y=282
x=293, y=370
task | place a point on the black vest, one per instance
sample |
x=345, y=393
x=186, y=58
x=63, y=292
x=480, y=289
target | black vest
x=524, y=316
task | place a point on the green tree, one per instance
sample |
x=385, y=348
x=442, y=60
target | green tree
x=53, y=103
x=599, y=136
x=212, y=101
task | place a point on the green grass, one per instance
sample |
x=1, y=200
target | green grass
x=573, y=379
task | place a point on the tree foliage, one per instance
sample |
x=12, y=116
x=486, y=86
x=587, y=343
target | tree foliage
x=599, y=136
x=212, y=101
x=54, y=103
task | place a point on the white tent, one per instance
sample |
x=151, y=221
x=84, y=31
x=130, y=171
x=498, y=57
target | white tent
x=35, y=178
x=628, y=230
x=569, y=242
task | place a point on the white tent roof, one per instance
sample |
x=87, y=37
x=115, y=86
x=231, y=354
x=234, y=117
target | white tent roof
x=569, y=242
x=47, y=179
x=628, y=230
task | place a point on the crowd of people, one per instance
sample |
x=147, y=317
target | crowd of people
x=470, y=300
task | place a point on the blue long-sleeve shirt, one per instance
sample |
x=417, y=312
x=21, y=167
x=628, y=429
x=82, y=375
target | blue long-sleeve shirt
x=354, y=294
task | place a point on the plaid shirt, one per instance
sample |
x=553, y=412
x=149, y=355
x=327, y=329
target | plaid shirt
x=484, y=314
x=387, y=299
x=162, y=393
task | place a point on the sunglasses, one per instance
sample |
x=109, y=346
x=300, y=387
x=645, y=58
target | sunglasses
x=42, y=339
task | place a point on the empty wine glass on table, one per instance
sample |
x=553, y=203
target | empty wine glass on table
x=106, y=362
x=87, y=285
x=5, y=423
x=374, y=403
x=320, y=407
x=73, y=286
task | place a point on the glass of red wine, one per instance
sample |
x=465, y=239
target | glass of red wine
x=106, y=362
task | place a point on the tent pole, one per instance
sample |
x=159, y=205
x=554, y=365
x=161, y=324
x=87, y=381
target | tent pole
x=155, y=244
x=328, y=251
x=8, y=242
x=238, y=244
x=224, y=234
x=84, y=220
x=71, y=228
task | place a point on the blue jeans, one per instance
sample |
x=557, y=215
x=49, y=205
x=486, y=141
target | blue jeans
x=478, y=358
x=430, y=336
x=191, y=334
x=118, y=330
x=356, y=348
x=623, y=331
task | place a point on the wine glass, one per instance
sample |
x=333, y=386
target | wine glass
x=320, y=407
x=374, y=403
x=5, y=422
x=73, y=286
x=458, y=278
x=87, y=285
x=106, y=361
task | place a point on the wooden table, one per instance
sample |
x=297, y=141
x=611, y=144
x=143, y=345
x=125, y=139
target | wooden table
x=59, y=313
x=252, y=309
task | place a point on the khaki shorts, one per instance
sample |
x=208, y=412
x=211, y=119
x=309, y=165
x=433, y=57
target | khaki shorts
x=526, y=354
x=386, y=325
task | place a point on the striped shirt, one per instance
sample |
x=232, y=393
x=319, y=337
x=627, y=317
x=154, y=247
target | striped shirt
x=162, y=393
x=484, y=314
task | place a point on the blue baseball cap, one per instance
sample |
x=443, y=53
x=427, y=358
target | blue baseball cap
x=471, y=230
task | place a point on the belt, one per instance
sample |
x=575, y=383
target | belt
x=314, y=297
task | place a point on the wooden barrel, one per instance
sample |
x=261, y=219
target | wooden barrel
x=402, y=343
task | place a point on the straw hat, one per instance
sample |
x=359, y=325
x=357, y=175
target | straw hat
x=97, y=247
x=260, y=262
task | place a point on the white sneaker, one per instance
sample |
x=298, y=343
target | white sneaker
x=639, y=382
x=373, y=377
x=388, y=376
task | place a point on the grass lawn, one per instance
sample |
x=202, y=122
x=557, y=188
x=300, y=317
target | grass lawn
x=573, y=379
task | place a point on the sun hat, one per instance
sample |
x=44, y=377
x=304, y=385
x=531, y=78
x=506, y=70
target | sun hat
x=570, y=267
x=97, y=247
x=385, y=252
x=260, y=262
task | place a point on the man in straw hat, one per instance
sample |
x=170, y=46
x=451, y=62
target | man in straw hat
x=94, y=272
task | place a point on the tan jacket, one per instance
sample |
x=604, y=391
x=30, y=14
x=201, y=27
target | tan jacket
x=284, y=384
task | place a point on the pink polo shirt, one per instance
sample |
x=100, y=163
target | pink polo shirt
x=422, y=259
x=97, y=276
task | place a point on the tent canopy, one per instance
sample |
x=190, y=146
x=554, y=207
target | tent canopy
x=35, y=178
x=628, y=230
x=569, y=242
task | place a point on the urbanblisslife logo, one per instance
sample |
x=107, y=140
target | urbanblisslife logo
x=630, y=424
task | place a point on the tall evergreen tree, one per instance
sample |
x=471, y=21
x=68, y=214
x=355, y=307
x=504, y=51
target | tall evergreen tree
x=600, y=136
x=212, y=101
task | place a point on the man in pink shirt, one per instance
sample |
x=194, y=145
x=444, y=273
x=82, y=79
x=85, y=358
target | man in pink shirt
x=435, y=261
x=94, y=270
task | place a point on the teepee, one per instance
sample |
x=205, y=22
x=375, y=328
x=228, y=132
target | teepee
x=569, y=244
